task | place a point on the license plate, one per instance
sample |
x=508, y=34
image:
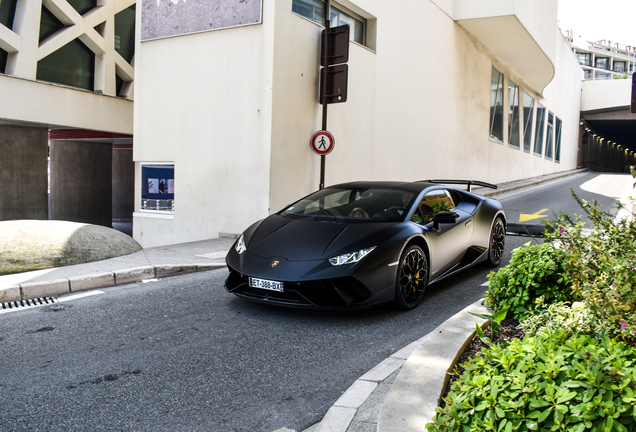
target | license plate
x=266, y=284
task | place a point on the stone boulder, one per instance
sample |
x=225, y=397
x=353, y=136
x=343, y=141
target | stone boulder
x=27, y=245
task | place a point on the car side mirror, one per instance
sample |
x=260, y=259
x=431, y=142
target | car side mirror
x=445, y=217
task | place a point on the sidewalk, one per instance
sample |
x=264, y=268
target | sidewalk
x=399, y=394
x=156, y=262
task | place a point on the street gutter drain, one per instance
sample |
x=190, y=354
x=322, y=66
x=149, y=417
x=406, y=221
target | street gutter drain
x=29, y=303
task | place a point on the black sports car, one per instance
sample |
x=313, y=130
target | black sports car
x=363, y=243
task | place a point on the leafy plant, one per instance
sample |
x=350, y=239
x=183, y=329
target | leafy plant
x=601, y=266
x=535, y=271
x=495, y=322
x=550, y=382
x=577, y=318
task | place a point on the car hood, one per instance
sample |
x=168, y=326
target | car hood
x=308, y=239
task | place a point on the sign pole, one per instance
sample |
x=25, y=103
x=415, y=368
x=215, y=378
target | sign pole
x=324, y=94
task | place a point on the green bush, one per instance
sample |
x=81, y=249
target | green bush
x=550, y=382
x=601, y=266
x=537, y=271
x=577, y=318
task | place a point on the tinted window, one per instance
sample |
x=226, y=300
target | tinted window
x=432, y=203
x=354, y=204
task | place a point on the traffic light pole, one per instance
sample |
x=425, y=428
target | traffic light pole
x=324, y=96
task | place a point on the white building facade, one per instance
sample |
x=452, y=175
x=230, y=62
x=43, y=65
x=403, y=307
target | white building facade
x=470, y=89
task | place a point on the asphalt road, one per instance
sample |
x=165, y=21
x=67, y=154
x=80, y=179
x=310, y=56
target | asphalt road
x=182, y=354
x=546, y=201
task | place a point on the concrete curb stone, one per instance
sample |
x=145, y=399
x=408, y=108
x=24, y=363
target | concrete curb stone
x=417, y=390
x=174, y=270
x=57, y=287
x=10, y=294
x=208, y=266
x=50, y=288
x=97, y=280
x=123, y=277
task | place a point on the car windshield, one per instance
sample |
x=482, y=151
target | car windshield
x=353, y=204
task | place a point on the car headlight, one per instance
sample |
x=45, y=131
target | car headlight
x=240, y=246
x=350, y=258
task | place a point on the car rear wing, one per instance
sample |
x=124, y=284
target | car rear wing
x=468, y=183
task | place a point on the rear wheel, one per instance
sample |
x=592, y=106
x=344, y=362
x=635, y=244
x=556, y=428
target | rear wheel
x=412, y=278
x=497, y=243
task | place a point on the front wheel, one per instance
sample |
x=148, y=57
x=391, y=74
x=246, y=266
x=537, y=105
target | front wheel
x=412, y=278
x=497, y=243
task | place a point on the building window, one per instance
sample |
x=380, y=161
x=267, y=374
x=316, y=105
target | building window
x=538, y=130
x=528, y=118
x=72, y=65
x=157, y=187
x=602, y=63
x=557, y=140
x=513, y=114
x=49, y=24
x=496, y=105
x=83, y=6
x=619, y=66
x=584, y=59
x=314, y=10
x=125, y=33
x=549, y=137
x=7, y=12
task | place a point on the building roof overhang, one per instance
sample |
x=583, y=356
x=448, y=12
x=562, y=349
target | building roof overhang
x=522, y=38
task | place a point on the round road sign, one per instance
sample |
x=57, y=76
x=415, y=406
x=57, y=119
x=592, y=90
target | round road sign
x=322, y=143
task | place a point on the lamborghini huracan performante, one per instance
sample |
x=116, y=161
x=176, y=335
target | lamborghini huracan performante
x=365, y=243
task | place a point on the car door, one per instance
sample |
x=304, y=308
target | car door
x=448, y=242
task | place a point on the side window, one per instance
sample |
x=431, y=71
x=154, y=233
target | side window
x=432, y=203
x=496, y=105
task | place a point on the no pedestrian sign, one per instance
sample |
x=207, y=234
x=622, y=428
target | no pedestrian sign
x=322, y=143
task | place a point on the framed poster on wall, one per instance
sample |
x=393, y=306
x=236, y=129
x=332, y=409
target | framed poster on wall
x=157, y=183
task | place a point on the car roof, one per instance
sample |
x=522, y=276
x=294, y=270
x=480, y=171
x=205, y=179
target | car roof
x=408, y=186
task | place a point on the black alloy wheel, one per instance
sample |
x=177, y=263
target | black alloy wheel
x=497, y=243
x=412, y=278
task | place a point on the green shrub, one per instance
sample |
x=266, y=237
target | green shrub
x=601, y=266
x=550, y=382
x=577, y=318
x=534, y=271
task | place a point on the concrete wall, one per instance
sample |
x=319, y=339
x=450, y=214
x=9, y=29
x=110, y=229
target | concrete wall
x=23, y=173
x=81, y=182
x=203, y=102
x=236, y=121
x=418, y=106
x=54, y=105
x=123, y=185
x=606, y=94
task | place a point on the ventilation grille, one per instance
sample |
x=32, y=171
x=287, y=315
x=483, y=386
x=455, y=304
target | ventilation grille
x=23, y=304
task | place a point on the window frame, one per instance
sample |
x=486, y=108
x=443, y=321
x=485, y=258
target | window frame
x=528, y=122
x=549, y=137
x=145, y=204
x=496, y=103
x=320, y=19
x=557, y=139
x=539, y=130
x=514, y=114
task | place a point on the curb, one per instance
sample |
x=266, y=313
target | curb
x=522, y=184
x=425, y=366
x=419, y=387
x=57, y=287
